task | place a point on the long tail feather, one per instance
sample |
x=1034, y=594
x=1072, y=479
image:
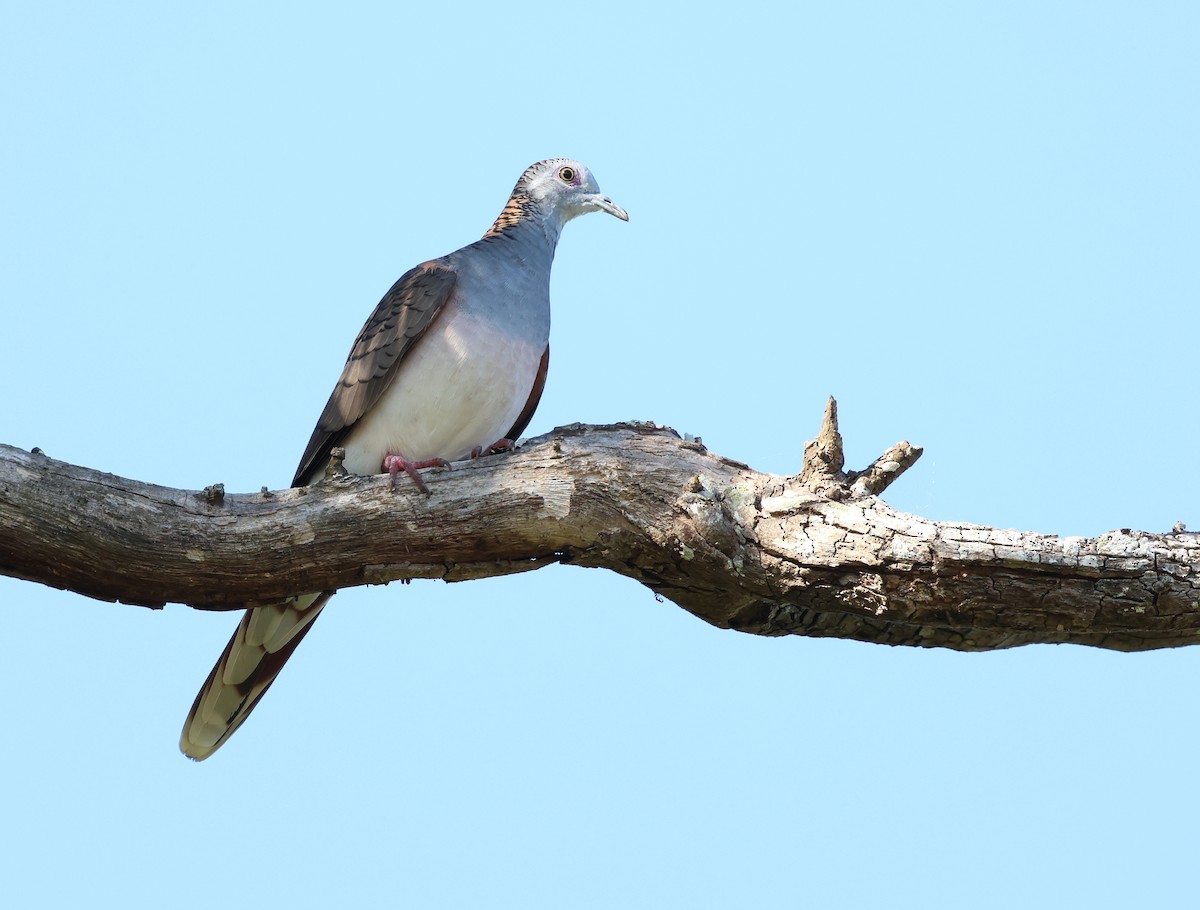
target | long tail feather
x=264, y=640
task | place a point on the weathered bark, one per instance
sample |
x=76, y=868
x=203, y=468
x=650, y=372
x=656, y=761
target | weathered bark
x=817, y=554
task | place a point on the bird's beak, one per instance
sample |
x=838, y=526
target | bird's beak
x=604, y=204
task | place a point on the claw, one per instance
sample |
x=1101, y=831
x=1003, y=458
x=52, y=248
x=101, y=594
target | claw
x=501, y=445
x=394, y=464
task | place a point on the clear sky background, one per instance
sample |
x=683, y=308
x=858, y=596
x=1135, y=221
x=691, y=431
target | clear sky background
x=976, y=224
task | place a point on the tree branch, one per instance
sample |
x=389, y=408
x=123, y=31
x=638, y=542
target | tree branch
x=816, y=554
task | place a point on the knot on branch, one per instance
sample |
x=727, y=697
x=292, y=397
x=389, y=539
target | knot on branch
x=824, y=460
x=213, y=494
x=336, y=467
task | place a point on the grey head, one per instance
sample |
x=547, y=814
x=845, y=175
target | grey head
x=551, y=193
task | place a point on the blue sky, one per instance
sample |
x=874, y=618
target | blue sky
x=975, y=224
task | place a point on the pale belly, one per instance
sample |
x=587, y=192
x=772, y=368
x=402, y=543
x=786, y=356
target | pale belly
x=461, y=386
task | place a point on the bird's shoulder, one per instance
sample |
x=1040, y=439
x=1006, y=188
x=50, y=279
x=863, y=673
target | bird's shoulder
x=408, y=306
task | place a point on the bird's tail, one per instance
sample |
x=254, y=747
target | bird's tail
x=264, y=640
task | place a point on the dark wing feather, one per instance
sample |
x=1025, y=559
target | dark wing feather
x=535, y=396
x=401, y=318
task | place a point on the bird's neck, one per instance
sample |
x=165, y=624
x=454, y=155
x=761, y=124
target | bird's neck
x=525, y=221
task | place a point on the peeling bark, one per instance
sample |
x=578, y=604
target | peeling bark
x=817, y=554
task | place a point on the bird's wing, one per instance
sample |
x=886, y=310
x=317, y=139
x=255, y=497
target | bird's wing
x=402, y=317
x=535, y=396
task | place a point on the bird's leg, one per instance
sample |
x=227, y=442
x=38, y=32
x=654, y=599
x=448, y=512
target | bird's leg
x=500, y=445
x=394, y=464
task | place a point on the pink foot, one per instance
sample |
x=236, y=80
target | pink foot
x=500, y=445
x=394, y=464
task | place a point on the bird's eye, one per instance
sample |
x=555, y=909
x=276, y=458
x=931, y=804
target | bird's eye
x=567, y=174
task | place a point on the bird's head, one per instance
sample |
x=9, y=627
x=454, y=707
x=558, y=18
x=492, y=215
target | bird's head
x=567, y=188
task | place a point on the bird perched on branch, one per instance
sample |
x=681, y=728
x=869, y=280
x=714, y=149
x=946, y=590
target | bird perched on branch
x=451, y=364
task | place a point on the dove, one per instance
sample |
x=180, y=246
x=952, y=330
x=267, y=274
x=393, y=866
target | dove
x=451, y=364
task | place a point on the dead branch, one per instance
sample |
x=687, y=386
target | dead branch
x=816, y=554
